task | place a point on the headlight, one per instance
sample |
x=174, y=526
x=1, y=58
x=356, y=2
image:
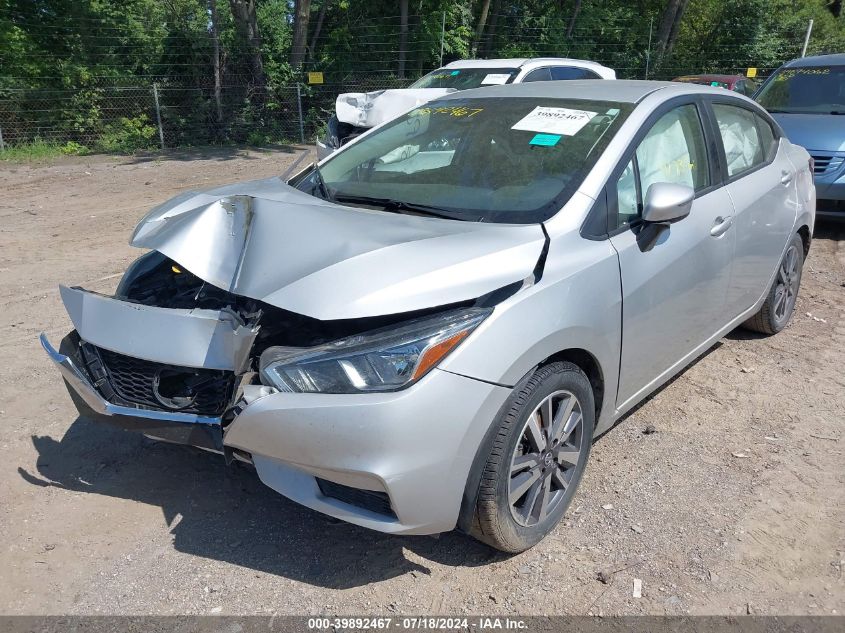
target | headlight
x=382, y=360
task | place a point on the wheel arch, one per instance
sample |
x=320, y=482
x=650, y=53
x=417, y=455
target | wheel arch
x=589, y=364
x=584, y=360
x=806, y=237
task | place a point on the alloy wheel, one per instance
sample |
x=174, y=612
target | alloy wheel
x=786, y=286
x=545, y=458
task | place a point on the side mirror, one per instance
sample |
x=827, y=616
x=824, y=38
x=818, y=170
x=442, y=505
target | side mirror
x=667, y=202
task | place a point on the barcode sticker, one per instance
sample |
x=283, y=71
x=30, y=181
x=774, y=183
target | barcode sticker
x=554, y=120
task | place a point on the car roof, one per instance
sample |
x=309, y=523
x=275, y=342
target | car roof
x=621, y=90
x=817, y=60
x=520, y=62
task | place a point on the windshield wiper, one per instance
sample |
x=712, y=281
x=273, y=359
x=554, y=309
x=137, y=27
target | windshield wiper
x=398, y=206
x=322, y=183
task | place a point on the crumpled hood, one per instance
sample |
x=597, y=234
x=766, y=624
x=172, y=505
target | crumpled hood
x=271, y=242
x=368, y=109
x=815, y=132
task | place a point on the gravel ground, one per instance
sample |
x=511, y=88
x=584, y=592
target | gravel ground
x=736, y=504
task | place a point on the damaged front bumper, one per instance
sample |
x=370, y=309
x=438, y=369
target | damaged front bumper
x=169, y=373
x=201, y=431
x=396, y=462
x=393, y=462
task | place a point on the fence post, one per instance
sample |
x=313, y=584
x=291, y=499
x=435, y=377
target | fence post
x=299, y=108
x=158, y=115
x=807, y=38
x=648, y=50
x=2, y=144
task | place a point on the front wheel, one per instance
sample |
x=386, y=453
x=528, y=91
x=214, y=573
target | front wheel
x=537, y=460
x=780, y=304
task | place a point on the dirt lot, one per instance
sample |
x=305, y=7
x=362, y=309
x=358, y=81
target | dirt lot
x=736, y=504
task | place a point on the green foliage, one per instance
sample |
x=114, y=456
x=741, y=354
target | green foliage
x=40, y=150
x=83, y=70
x=126, y=136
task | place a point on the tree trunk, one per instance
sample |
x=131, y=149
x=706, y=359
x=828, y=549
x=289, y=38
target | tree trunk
x=676, y=27
x=215, y=41
x=667, y=21
x=319, y=27
x=575, y=10
x=302, y=13
x=403, y=36
x=491, y=32
x=246, y=25
x=479, y=29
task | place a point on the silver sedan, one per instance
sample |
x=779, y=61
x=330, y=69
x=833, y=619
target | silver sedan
x=428, y=329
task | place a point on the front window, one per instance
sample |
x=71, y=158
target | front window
x=672, y=151
x=466, y=78
x=811, y=90
x=495, y=160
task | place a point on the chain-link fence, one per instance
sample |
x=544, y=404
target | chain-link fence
x=111, y=114
x=111, y=117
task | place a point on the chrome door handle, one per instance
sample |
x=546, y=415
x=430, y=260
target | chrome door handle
x=721, y=225
x=785, y=177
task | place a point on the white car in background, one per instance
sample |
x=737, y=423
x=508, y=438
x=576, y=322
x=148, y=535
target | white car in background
x=357, y=112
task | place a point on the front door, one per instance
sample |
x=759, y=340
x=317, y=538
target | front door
x=673, y=290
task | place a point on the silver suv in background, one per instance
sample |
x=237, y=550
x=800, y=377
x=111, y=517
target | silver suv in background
x=355, y=112
x=427, y=330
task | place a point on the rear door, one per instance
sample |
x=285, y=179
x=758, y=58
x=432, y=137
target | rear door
x=762, y=187
x=673, y=291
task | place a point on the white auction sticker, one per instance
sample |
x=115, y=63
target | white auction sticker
x=495, y=78
x=554, y=120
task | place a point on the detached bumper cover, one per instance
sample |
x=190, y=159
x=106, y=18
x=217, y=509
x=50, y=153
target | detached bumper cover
x=211, y=339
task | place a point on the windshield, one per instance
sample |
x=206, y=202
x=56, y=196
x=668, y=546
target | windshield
x=495, y=160
x=814, y=90
x=466, y=78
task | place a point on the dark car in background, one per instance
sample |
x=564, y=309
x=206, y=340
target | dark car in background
x=807, y=98
x=738, y=83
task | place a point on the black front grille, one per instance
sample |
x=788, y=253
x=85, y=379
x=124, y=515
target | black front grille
x=830, y=206
x=825, y=164
x=159, y=386
x=371, y=500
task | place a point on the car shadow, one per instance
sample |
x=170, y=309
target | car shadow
x=227, y=514
x=663, y=387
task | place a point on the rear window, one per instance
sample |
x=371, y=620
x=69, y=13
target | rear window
x=564, y=73
x=815, y=90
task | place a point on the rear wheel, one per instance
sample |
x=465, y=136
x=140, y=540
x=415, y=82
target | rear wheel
x=780, y=304
x=537, y=460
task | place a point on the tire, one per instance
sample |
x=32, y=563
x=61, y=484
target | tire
x=514, y=512
x=780, y=303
